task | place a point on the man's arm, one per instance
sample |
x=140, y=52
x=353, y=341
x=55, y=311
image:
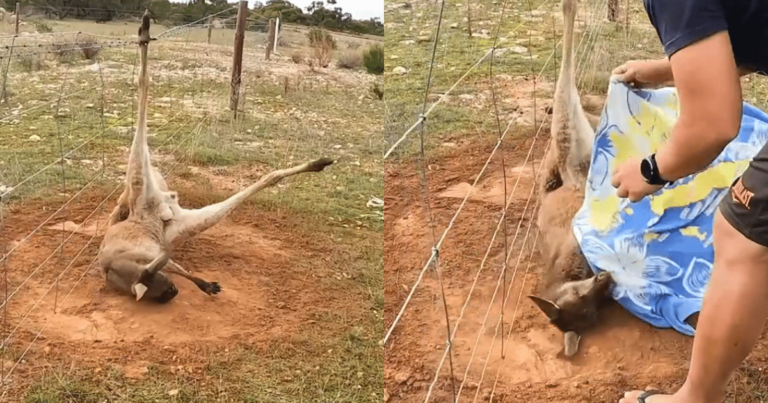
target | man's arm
x=709, y=90
x=659, y=72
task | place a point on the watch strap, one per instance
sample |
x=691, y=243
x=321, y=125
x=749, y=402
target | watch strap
x=654, y=177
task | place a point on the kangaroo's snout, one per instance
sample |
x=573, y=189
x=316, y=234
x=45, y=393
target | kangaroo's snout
x=168, y=295
x=603, y=277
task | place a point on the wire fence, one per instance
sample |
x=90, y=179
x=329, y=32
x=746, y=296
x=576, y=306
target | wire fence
x=508, y=89
x=66, y=128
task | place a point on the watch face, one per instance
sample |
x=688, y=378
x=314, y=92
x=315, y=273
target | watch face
x=645, y=169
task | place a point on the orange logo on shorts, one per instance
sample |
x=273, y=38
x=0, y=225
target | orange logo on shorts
x=741, y=194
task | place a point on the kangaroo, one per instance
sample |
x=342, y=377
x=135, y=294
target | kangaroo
x=570, y=293
x=148, y=221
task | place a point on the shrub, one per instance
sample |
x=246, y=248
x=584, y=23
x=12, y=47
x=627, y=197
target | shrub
x=321, y=37
x=30, y=62
x=350, y=60
x=65, y=52
x=322, y=54
x=90, y=49
x=377, y=91
x=373, y=58
x=41, y=26
x=297, y=57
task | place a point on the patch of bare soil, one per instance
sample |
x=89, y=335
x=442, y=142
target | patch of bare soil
x=264, y=262
x=622, y=353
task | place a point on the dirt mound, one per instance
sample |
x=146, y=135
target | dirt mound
x=260, y=259
x=621, y=353
x=95, y=313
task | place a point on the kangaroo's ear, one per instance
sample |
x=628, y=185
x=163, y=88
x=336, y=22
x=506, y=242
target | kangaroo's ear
x=139, y=289
x=548, y=307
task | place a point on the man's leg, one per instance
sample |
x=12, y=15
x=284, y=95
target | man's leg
x=735, y=305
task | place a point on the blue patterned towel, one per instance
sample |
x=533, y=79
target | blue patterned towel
x=658, y=250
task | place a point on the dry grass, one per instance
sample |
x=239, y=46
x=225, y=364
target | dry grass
x=351, y=60
x=192, y=132
x=525, y=70
x=322, y=53
x=90, y=49
x=298, y=57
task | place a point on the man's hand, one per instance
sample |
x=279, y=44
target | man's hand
x=629, y=182
x=645, y=73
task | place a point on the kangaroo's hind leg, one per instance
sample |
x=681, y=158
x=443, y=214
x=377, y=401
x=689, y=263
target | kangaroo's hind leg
x=188, y=223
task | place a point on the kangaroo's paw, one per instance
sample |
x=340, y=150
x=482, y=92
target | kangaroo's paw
x=210, y=288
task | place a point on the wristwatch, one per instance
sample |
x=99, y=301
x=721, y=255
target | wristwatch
x=650, y=171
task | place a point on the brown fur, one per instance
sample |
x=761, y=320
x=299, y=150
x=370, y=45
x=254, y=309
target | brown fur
x=134, y=250
x=148, y=220
x=570, y=294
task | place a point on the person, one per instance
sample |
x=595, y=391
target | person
x=709, y=44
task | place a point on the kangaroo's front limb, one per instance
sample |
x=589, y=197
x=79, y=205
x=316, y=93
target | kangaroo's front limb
x=188, y=223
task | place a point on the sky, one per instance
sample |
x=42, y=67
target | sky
x=360, y=9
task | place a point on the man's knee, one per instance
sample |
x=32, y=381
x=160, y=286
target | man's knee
x=735, y=243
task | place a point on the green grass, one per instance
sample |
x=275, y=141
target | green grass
x=335, y=360
x=535, y=27
x=528, y=47
x=288, y=371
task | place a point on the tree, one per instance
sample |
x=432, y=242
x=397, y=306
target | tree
x=161, y=9
x=315, y=5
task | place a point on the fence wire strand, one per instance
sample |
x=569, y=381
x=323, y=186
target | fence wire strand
x=59, y=257
x=450, y=225
x=587, y=51
x=585, y=55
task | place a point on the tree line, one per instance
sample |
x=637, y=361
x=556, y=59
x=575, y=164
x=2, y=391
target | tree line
x=325, y=14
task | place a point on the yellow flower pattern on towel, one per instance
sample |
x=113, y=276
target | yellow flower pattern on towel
x=658, y=250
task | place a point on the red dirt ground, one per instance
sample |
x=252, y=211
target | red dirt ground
x=264, y=261
x=622, y=354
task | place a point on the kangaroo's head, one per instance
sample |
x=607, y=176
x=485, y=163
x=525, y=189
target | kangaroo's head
x=156, y=287
x=154, y=284
x=573, y=306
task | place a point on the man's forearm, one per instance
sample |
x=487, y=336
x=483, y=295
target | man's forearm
x=662, y=73
x=692, y=146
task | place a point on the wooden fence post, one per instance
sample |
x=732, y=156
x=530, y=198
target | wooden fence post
x=237, y=60
x=613, y=10
x=18, y=8
x=277, y=29
x=210, y=27
x=270, y=37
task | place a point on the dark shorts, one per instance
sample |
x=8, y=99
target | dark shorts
x=745, y=206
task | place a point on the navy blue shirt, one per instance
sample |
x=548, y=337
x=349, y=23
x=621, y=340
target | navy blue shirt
x=680, y=23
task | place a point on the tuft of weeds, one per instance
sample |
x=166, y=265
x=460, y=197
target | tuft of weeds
x=350, y=60
x=322, y=53
x=30, y=62
x=377, y=90
x=373, y=58
x=42, y=26
x=90, y=49
x=64, y=52
x=298, y=57
x=319, y=36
